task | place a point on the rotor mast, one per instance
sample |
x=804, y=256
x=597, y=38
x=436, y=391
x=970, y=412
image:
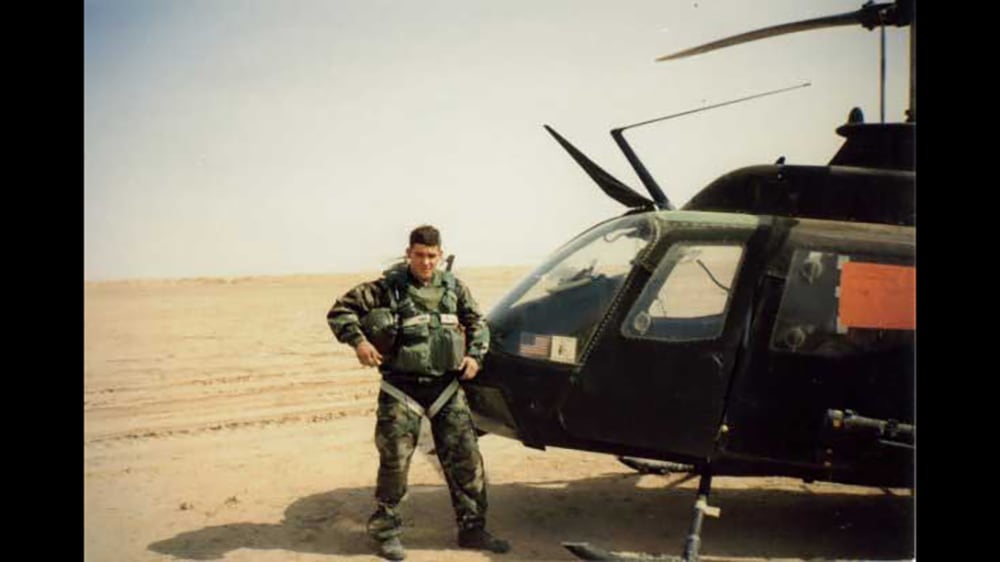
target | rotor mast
x=911, y=114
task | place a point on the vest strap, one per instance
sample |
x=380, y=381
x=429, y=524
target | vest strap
x=418, y=319
x=442, y=398
x=413, y=405
x=403, y=397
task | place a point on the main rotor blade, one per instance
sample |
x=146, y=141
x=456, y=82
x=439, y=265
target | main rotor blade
x=868, y=16
x=608, y=183
x=782, y=29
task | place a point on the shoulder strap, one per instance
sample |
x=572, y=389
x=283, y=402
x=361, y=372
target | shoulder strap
x=449, y=280
x=450, y=287
x=395, y=280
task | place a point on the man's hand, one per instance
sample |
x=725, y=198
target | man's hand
x=368, y=355
x=469, y=368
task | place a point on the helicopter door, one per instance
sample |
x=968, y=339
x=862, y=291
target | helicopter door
x=657, y=377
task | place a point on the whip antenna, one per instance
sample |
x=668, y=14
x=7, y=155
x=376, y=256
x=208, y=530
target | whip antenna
x=647, y=180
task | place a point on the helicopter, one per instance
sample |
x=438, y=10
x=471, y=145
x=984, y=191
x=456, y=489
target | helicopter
x=766, y=328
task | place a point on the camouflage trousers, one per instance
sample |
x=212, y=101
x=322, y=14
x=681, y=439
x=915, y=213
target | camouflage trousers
x=457, y=448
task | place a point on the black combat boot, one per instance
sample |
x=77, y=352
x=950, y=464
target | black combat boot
x=391, y=549
x=480, y=539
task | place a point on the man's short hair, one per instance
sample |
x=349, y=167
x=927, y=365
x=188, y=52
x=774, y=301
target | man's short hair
x=426, y=235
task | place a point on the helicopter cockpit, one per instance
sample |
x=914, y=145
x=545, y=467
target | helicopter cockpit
x=554, y=311
x=656, y=287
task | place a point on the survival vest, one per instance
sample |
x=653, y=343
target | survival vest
x=419, y=333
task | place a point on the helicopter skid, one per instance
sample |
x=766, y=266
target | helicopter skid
x=584, y=551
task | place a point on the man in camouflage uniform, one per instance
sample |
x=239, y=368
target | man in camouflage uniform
x=420, y=326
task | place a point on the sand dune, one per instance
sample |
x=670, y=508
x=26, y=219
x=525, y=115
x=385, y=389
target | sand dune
x=222, y=421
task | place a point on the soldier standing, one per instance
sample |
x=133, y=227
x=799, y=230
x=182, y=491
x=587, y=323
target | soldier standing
x=423, y=331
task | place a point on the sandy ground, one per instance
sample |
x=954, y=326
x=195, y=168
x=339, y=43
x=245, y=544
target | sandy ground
x=222, y=421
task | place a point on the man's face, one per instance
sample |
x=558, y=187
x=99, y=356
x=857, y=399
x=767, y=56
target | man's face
x=423, y=260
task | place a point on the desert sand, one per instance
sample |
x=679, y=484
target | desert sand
x=223, y=421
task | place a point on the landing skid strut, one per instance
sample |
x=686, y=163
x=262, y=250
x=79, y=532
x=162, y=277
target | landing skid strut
x=692, y=543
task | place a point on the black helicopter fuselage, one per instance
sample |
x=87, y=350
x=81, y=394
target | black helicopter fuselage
x=768, y=328
x=772, y=341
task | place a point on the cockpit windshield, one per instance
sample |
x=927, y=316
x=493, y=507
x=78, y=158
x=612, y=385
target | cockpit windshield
x=552, y=313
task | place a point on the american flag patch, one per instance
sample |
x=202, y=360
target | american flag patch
x=534, y=345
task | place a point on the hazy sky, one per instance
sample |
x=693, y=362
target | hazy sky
x=239, y=137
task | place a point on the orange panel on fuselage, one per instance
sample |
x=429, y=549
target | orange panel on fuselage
x=874, y=295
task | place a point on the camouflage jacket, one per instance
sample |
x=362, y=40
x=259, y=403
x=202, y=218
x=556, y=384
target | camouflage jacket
x=345, y=316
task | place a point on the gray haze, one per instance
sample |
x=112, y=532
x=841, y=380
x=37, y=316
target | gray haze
x=227, y=137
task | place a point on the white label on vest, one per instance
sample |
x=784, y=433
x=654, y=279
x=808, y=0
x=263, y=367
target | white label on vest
x=563, y=349
x=415, y=320
x=449, y=320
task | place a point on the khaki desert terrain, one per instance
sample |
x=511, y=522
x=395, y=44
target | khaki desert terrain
x=223, y=422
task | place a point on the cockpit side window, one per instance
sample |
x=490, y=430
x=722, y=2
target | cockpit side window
x=688, y=295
